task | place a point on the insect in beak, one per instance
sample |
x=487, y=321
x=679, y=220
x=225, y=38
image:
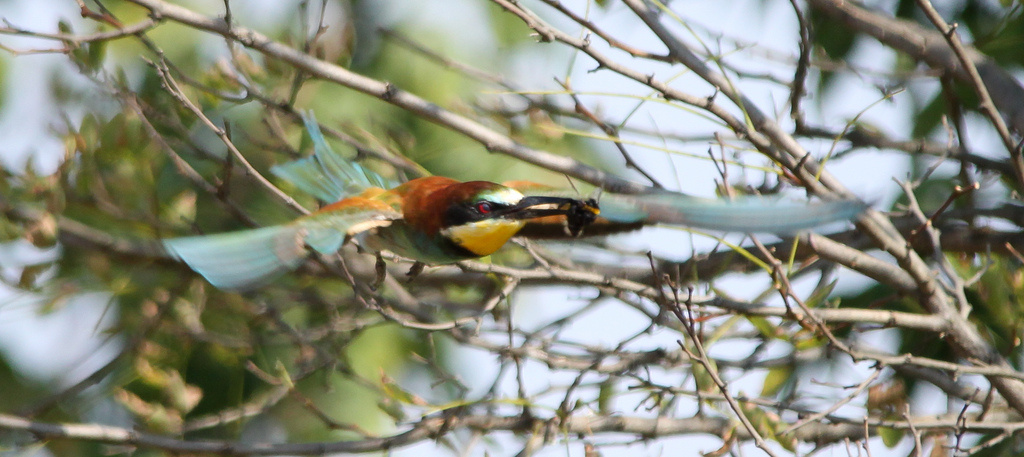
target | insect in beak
x=581, y=214
x=578, y=213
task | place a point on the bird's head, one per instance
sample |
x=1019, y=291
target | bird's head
x=481, y=216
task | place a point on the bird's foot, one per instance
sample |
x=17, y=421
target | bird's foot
x=415, y=271
x=381, y=268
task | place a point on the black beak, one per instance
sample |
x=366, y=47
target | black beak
x=578, y=213
x=527, y=208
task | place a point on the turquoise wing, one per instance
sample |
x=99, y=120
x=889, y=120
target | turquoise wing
x=241, y=260
x=326, y=231
x=748, y=214
x=250, y=258
x=326, y=174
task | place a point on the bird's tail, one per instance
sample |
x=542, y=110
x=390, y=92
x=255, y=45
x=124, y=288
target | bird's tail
x=326, y=174
x=245, y=259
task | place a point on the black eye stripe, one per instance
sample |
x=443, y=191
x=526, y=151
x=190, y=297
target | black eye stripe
x=487, y=207
x=474, y=211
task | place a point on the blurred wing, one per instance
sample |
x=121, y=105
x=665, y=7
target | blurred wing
x=749, y=214
x=246, y=259
x=241, y=260
x=326, y=230
x=326, y=174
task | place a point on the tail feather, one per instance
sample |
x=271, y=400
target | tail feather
x=326, y=174
x=242, y=260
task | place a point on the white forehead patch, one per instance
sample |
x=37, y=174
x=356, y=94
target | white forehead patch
x=504, y=195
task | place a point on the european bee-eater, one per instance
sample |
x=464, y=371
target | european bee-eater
x=434, y=220
x=438, y=220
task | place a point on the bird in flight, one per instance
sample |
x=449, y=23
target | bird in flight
x=434, y=220
x=437, y=220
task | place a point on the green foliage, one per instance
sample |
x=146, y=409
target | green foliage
x=779, y=378
x=890, y=436
x=832, y=39
x=194, y=351
x=996, y=300
x=17, y=389
x=996, y=32
x=930, y=116
x=509, y=30
x=769, y=425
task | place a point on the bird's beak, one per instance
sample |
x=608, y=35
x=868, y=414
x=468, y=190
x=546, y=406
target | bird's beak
x=534, y=207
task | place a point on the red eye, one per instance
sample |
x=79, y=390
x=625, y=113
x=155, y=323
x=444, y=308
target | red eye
x=483, y=207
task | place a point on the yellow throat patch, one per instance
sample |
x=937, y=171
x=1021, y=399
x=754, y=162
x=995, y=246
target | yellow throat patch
x=483, y=237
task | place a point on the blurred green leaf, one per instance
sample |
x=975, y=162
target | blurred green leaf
x=890, y=436
x=764, y=327
x=778, y=377
x=606, y=395
x=833, y=39
x=393, y=391
x=820, y=294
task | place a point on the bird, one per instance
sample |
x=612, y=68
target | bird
x=438, y=220
x=431, y=220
